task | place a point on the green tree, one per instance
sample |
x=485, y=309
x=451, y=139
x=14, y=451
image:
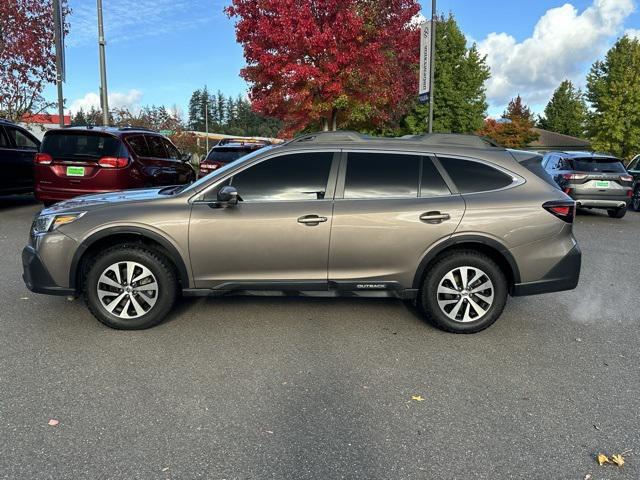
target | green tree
x=460, y=95
x=566, y=112
x=613, y=89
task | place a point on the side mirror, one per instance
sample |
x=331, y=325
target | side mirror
x=229, y=196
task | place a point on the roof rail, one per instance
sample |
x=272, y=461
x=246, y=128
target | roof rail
x=433, y=139
x=454, y=139
x=329, y=137
x=130, y=127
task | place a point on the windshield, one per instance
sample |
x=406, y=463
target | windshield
x=194, y=187
x=73, y=145
x=605, y=165
x=226, y=156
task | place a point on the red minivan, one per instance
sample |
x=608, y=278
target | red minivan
x=84, y=160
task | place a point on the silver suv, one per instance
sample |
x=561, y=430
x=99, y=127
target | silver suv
x=451, y=222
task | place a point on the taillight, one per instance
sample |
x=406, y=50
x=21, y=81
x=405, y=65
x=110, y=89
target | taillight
x=210, y=166
x=574, y=176
x=626, y=178
x=567, y=190
x=630, y=194
x=113, y=162
x=43, y=159
x=564, y=210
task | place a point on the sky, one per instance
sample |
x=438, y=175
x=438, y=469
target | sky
x=160, y=51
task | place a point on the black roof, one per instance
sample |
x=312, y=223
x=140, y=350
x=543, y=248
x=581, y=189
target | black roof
x=116, y=131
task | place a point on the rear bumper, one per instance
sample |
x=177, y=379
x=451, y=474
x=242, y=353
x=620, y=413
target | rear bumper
x=36, y=276
x=602, y=201
x=58, y=195
x=563, y=276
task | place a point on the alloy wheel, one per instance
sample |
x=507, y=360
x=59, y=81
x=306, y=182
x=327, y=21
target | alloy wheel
x=465, y=294
x=127, y=290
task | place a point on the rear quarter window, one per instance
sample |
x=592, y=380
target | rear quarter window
x=139, y=146
x=471, y=176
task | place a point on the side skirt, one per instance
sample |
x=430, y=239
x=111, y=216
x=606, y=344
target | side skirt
x=306, y=289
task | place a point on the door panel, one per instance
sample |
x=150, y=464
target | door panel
x=17, y=152
x=259, y=242
x=278, y=233
x=384, y=240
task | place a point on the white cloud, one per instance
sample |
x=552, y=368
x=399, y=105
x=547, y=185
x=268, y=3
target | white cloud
x=129, y=100
x=563, y=44
x=633, y=33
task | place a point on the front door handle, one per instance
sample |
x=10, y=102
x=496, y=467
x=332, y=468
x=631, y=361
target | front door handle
x=312, y=220
x=434, y=217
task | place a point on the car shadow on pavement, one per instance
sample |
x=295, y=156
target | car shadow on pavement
x=14, y=201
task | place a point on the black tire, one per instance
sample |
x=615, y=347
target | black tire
x=428, y=297
x=617, y=212
x=160, y=267
x=635, y=202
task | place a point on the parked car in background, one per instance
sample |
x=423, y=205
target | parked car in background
x=87, y=160
x=229, y=150
x=593, y=180
x=634, y=171
x=450, y=222
x=18, y=148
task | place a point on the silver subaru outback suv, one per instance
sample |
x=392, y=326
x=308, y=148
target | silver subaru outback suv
x=453, y=223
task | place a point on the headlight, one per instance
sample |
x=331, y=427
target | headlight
x=48, y=223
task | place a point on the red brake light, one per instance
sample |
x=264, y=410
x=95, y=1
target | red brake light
x=565, y=211
x=43, y=159
x=626, y=178
x=630, y=194
x=574, y=176
x=113, y=162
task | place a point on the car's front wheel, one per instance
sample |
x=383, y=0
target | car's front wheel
x=617, y=212
x=463, y=292
x=130, y=287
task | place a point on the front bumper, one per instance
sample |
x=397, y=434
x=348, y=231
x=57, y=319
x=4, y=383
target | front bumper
x=563, y=276
x=36, y=276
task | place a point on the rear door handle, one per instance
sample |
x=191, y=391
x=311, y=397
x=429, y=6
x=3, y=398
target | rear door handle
x=312, y=220
x=434, y=217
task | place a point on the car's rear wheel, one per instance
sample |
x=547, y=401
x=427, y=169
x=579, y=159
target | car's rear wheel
x=130, y=287
x=617, y=212
x=635, y=203
x=463, y=292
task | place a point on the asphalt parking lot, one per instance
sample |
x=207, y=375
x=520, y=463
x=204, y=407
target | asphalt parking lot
x=287, y=388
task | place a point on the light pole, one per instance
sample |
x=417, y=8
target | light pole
x=104, y=101
x=59, y=42
x=433, y=63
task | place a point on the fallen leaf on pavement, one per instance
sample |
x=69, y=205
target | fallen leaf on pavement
x=417, y=398
x=602, y=459
x=54, y=423
x=617, y=459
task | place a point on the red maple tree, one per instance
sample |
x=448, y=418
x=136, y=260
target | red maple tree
x=329, y=62
x=27, y=55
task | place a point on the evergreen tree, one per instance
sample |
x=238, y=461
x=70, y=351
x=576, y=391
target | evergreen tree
x=613, y=89
x=566, y=112
x=195, y=115
x=79, y=120
x=460, y=95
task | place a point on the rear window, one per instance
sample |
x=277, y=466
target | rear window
x=227, y=156
x=69, y=145
x=590, y=164
x=472, y=177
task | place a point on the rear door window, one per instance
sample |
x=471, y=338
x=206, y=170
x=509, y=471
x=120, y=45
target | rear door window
x=603, y=165
x=381, y=175
x=139, y=145
x=21, y=140
x=156, y=147
x=72, y=145
x=471, y=176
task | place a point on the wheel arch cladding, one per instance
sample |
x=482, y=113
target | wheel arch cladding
x=123, y=235
x=491, y=248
